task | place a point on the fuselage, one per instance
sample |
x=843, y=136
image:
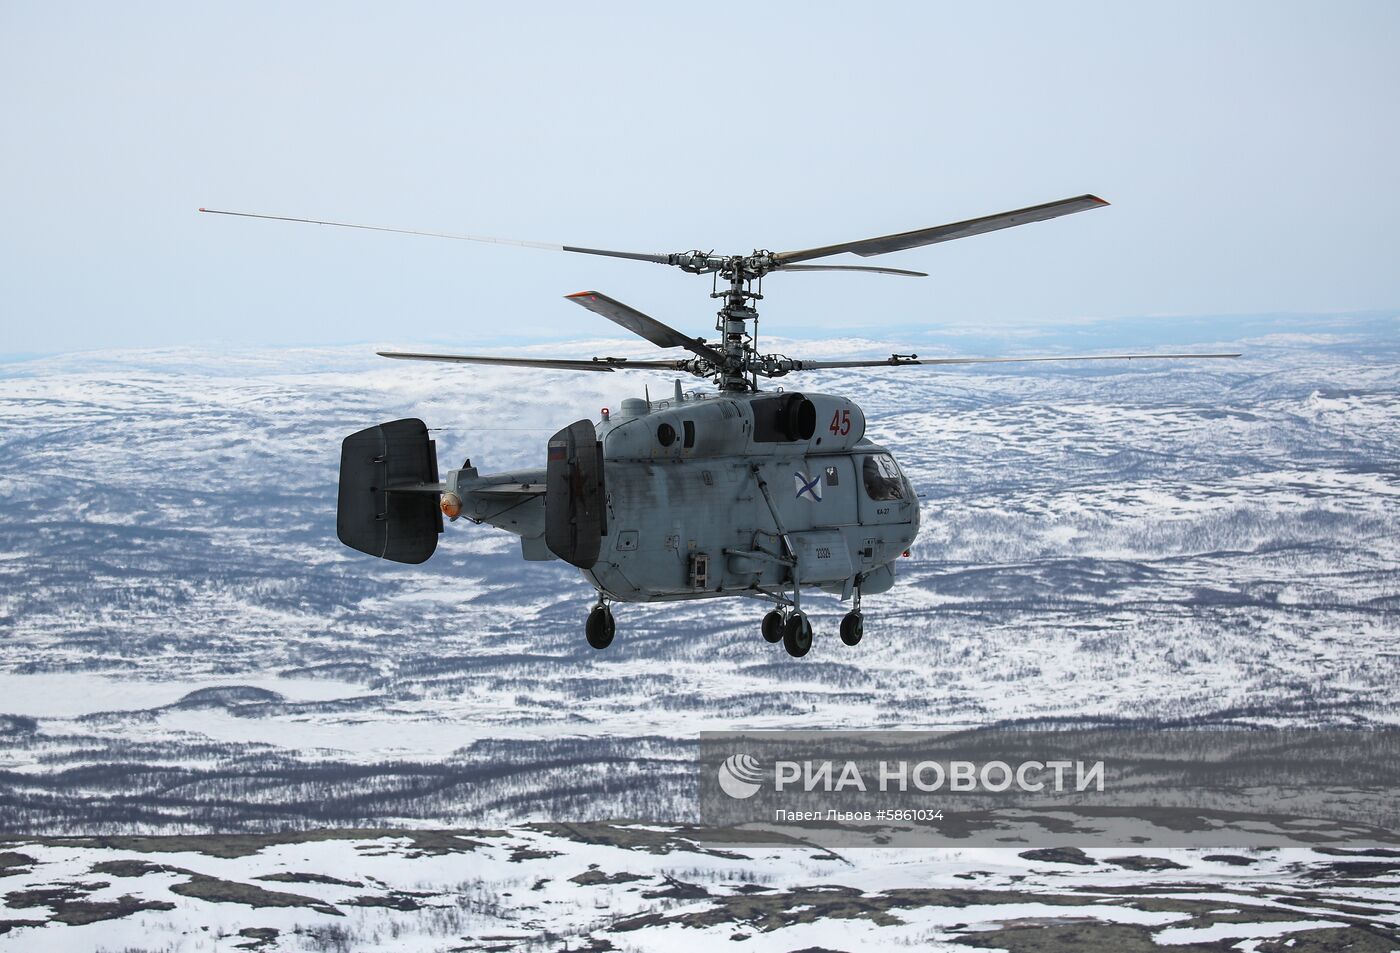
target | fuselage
x=726, y=494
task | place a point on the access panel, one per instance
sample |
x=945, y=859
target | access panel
x=822, y=556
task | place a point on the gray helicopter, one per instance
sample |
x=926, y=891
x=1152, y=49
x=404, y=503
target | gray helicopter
x=741, y=492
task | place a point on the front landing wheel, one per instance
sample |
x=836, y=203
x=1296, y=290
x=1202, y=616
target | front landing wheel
x=773, y=626
x=797, y=635
x=852, y=627
x=600, y=627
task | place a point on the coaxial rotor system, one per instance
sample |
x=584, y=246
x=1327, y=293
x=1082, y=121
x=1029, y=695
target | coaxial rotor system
x=733, y=361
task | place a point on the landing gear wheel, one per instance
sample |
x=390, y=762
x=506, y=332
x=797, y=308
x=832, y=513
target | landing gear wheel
x=773, y=626
x=852, y=627
x=600, y=627
x=797, y=635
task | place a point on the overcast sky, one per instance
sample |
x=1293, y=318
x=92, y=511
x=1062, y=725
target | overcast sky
x=1249, y=150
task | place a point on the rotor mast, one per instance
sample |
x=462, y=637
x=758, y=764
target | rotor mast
x=740, y=353
x=741, y=364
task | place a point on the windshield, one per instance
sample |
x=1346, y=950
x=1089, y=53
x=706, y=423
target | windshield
x=882, y=478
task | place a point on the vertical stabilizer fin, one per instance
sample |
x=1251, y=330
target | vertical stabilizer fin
x=403, y=524
x=575, y=500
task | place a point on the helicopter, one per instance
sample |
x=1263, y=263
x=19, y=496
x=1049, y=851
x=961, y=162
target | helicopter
x=735, y=492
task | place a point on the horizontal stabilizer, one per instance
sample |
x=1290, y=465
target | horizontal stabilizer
x=510, y=489
x=434, y=488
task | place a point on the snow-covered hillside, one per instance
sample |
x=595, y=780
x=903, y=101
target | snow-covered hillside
x=1212, y=540
x=187, y=649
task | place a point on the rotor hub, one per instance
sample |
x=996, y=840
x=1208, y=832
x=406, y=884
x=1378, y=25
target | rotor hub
x=733, y=361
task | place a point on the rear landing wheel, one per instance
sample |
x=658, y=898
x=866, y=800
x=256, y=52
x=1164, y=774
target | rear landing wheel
x=773, y=626
x=600, y=627
x=852, y=627
x=797, y=635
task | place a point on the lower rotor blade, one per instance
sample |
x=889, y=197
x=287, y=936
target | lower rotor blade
x=604, y=364
x=643, y=325
x=898, y=360
x=870, y=268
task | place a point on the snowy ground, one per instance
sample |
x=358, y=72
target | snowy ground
x=645, y=888
x=186, y=648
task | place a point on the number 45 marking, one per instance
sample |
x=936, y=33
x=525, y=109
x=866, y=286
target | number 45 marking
x=841, y=422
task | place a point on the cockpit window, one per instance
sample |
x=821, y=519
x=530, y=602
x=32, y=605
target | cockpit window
x=882, y=478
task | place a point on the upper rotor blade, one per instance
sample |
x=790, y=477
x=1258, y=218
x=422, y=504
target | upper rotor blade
x=662, y=335
x=605, y=364
x=942, y=233
x=898, y=360
x=636, y=256
x=869, y=268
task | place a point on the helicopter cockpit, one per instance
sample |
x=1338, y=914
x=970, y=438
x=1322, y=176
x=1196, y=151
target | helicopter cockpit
x=883, y=481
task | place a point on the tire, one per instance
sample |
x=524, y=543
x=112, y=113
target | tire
x=797, y=635
x=852, y=628
x=773, y=626
x=600, y=627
